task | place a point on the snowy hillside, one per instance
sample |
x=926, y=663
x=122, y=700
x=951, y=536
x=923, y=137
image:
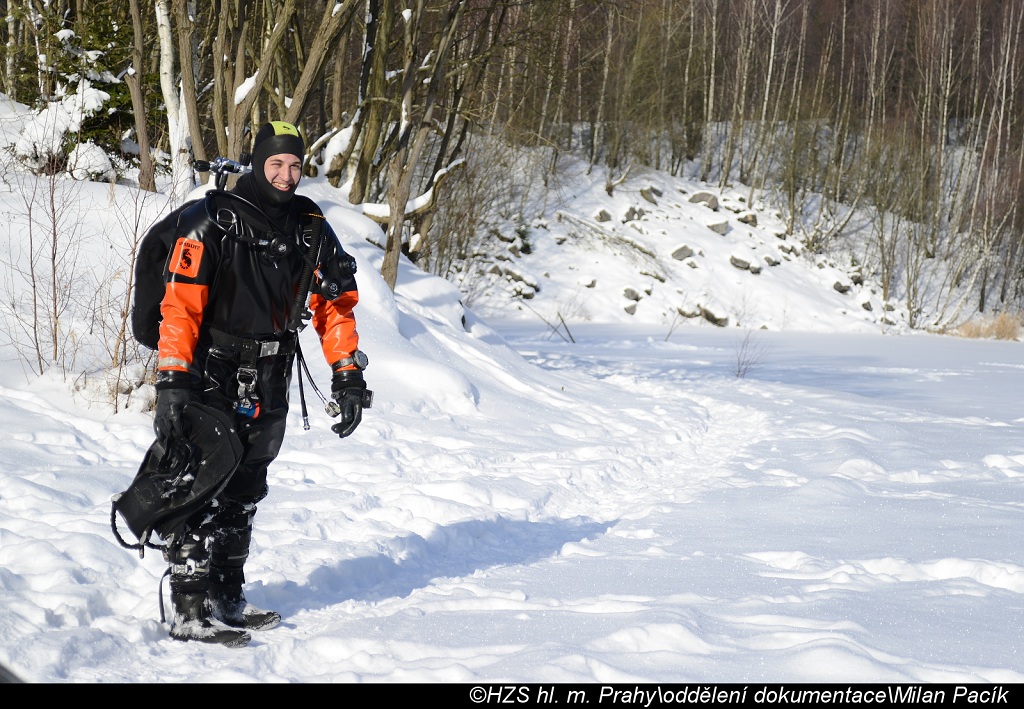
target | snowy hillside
x=673, y=252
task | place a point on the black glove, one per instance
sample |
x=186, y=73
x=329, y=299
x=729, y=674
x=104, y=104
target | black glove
x=349, y=390
x=173, y=392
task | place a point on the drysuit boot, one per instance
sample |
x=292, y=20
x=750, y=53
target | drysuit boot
x=230, y=551
x=192, y=618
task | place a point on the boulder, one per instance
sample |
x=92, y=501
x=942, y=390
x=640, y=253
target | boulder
x=708, y=199
x=682, y=253
x=650, y=194
x=633, y=213
x=720, y=321
x=740, y=263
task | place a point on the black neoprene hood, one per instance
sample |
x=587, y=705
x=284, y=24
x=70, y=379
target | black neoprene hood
x=275, y=138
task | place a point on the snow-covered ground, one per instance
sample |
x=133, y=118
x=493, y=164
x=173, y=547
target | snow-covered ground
x=520, y=508
x=652, y=501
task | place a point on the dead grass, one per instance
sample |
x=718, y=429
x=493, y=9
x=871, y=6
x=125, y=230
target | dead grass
x=1002, y=326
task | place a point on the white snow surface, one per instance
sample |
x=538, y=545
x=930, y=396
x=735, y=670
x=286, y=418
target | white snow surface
x=518, y=507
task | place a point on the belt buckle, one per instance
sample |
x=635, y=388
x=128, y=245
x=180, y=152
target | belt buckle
x=246, y=381
x=269, y=348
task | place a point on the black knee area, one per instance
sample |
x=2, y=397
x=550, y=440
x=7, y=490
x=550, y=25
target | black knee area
x=232, y=514
x=231, y=540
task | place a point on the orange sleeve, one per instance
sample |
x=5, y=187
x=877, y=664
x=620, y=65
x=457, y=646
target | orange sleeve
x=182, y=313
x=335, y=323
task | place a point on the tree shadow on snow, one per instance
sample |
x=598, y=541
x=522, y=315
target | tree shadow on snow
x=411, y=562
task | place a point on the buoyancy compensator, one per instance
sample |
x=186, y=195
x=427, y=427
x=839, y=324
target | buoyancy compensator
x=178, y=477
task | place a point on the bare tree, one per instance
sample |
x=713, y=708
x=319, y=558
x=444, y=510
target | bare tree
x=147, y=169
x=362, y=160
x=758, y=162
x=415, y=125
x=739, y=81
x=45, y=277
x=333, y=20
x=185, y=24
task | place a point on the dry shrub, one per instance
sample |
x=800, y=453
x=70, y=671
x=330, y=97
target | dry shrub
x=1001, y=326
x=1008, y=326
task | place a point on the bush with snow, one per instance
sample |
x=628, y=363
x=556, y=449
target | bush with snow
x=42, y=144
x=87, y=161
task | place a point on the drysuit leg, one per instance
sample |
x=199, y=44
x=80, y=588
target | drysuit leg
x=191, y=617
x=230, y=550
x=261, y=438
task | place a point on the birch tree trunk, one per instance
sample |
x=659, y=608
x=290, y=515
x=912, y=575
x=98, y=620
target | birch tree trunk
x=597, y=135
x=711, y=71
x=181, y=169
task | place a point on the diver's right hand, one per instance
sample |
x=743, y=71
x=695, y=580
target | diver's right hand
x=173, y=392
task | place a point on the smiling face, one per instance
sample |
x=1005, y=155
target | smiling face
x=277, y=155
x=283, y=171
